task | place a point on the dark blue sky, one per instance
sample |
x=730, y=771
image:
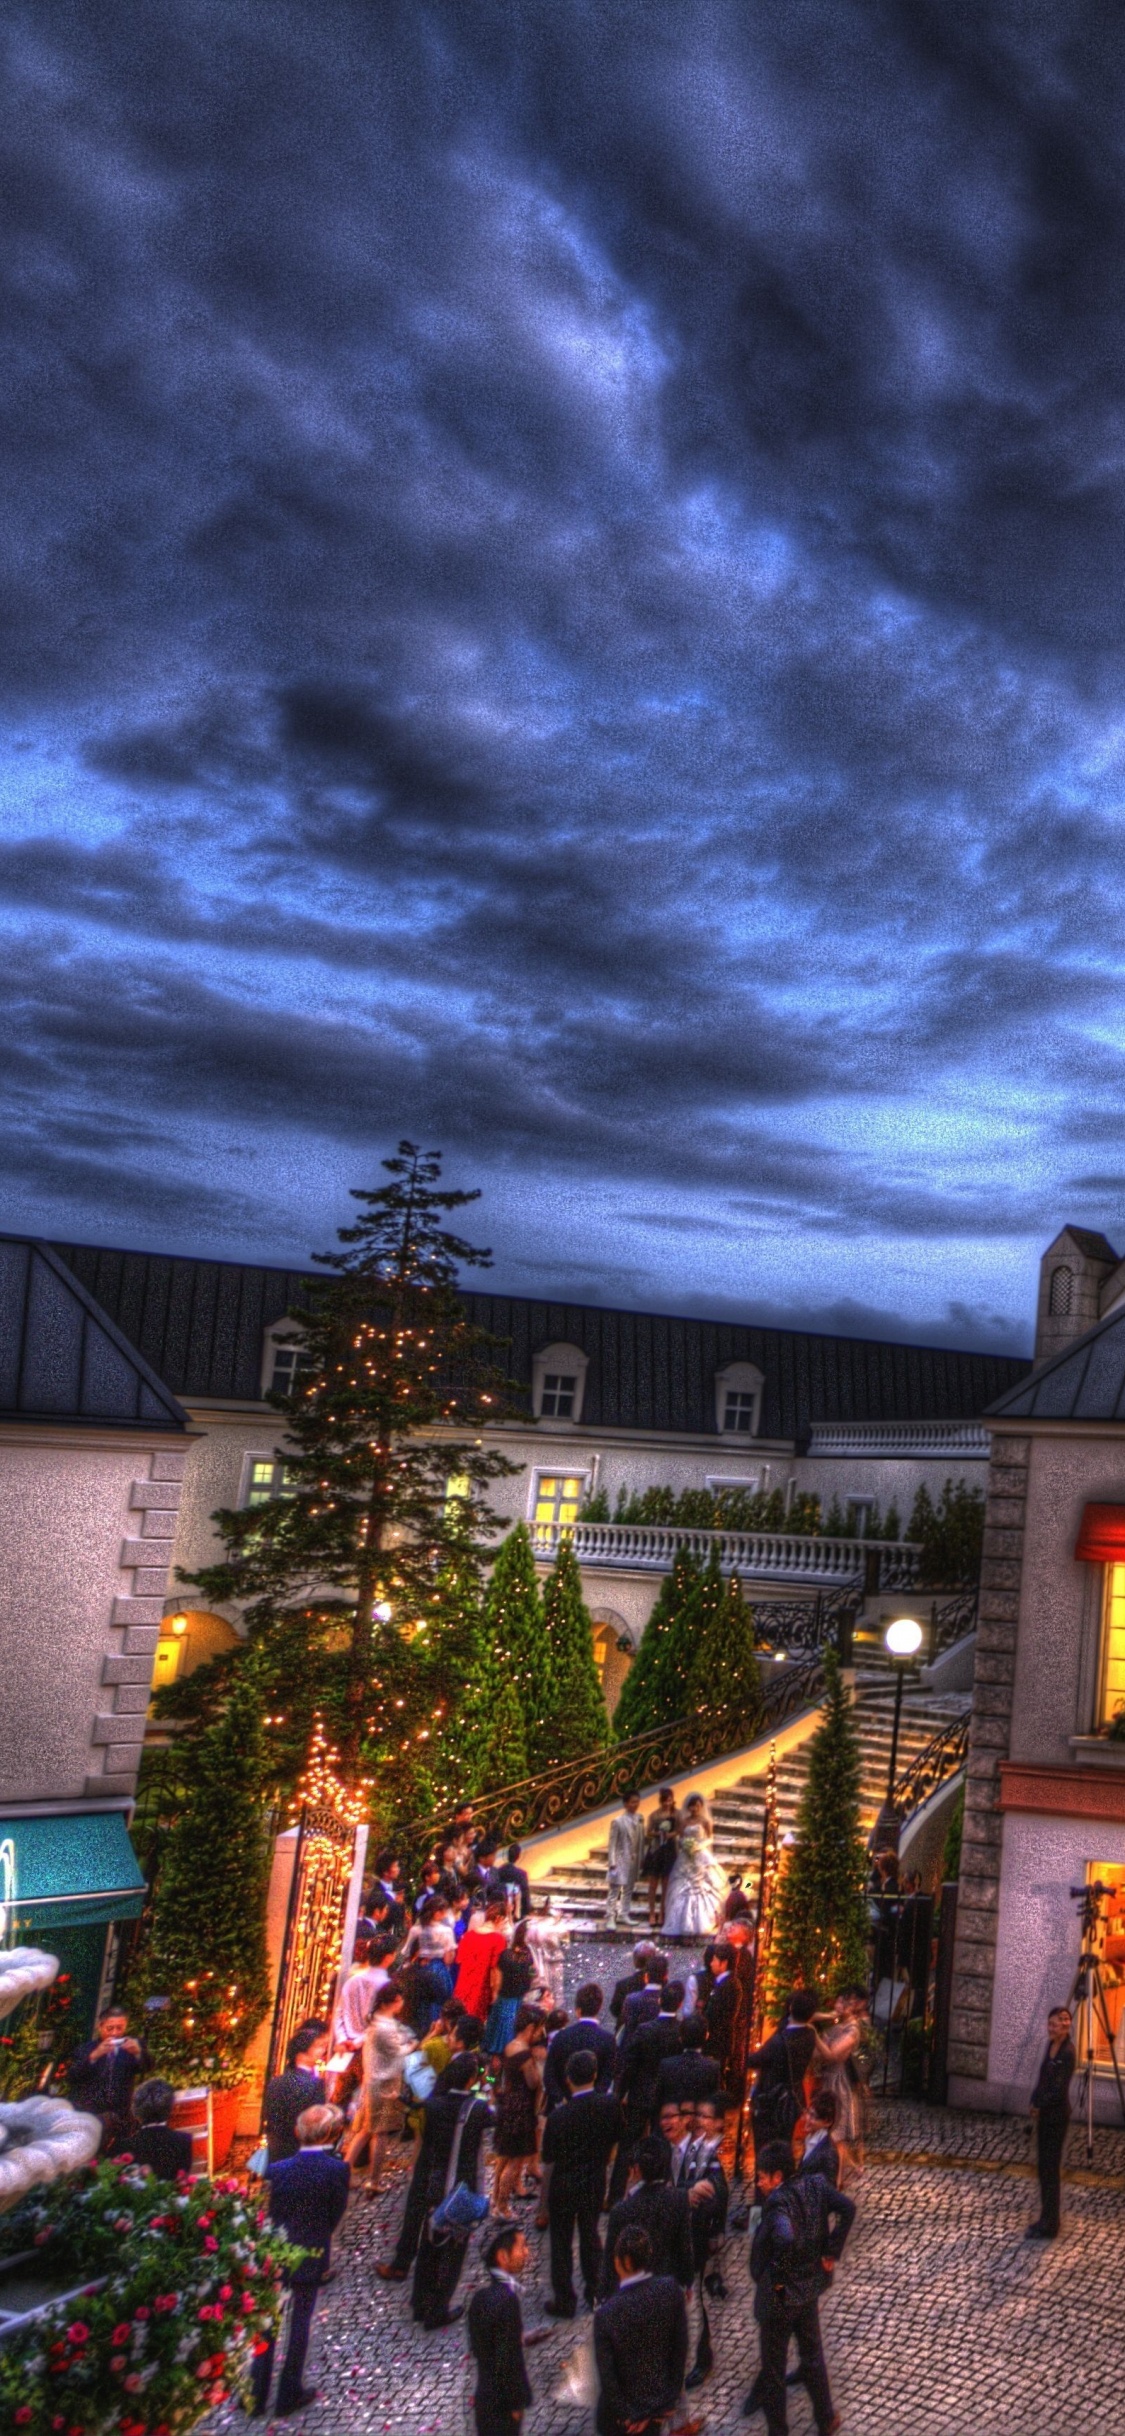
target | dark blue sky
x=563, y=578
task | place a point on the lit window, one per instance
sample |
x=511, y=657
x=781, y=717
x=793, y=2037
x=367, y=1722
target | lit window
x=268, y=1479
x=558, y=1396
x=739, y=1410
x=289, y=1365
x=558, y=1497
x=1113, y=1653
x=1107, y=1941
x=458, y=1490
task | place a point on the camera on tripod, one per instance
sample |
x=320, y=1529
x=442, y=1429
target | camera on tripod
x=1091, y=1899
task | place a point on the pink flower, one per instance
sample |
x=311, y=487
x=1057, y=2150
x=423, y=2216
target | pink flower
x=225, y=2291
x=133, y=2384
x=118, y=2360
x=78, y=2333
x=210, y=2243
x=248, y=2302
x=140, y=2314
x=121, y=2334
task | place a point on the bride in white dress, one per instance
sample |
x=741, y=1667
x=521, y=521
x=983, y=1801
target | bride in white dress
x=698, y=1886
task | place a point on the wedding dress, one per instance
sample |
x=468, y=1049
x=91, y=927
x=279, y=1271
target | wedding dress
x=697, y=1889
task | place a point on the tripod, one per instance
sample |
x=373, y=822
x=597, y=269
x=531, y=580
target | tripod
x=1089, y=1995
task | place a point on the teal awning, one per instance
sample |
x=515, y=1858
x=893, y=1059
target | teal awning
x=67, y=1871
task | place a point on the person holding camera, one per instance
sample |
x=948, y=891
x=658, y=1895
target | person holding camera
x=103, y=2073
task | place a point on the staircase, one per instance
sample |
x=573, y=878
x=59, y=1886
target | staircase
x=577, y=1890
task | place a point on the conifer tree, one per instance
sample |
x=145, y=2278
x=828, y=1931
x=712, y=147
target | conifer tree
x=571, y=1715
x=820, y=1908
x=726, y=1673
x=338, y=1579
x=513, y=1622
x=655, y=1690
x=207, y=1949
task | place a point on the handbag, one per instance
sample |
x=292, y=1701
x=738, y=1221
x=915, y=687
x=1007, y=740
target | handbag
x=418, y=2077
x=460, y=2208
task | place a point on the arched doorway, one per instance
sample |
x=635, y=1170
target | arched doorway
x=613, y=1653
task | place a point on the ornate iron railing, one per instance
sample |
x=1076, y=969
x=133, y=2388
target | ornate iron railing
x=806, y=1624
x=951, y=1621
x=538, y=1803
x=784, y=1556
x=941, y=1758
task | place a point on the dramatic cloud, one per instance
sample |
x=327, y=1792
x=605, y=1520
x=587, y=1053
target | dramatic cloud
x=562, y=572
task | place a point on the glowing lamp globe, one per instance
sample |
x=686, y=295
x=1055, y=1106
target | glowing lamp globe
x=903, y=1638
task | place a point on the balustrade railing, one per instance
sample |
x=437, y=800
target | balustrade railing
x=759, y=1555
x=940, y=1759
x=533, y=1805
x=954, y=1438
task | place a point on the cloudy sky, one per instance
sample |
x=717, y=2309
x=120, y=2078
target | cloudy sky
x=563, y=576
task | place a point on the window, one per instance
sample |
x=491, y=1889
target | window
x=558, y=1496
x=1058, y=1299
x=1107, y=1940
x=284, y=1361
x=1113, y=1645
x=266, y=1479
x=738, y=1399
x=558, y=1380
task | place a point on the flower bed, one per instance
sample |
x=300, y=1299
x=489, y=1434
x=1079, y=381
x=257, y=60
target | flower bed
x=193, y=2289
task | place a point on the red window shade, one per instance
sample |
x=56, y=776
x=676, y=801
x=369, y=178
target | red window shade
x=1101, y=1540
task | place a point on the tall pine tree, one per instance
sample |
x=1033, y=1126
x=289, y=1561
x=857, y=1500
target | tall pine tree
x=655, y=1690
x=571, y=1715
x=338, y=1579
x=820, y=1908
x=726, y=1673
x=513, y=1623
x=206, y=1953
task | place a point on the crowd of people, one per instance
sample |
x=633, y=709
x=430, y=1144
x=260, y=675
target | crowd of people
x=619, y=2124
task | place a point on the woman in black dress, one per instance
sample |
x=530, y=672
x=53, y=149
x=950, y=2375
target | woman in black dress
x=661, y=1839
x=515, y=2140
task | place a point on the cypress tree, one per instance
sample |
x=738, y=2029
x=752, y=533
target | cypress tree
x=726, y=1673
x=820, y=1909
x=513, y=1624
x=654, y=1692
x=572, y=1713
x=207, y=1949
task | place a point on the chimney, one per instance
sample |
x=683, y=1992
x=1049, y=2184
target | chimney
x=1072, y=1273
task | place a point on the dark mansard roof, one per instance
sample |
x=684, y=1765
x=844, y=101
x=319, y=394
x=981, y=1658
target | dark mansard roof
x=62, y=1358
x=200, y=1324
x=1085, y=1382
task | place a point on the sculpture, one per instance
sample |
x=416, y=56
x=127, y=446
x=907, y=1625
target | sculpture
x=40, y=2137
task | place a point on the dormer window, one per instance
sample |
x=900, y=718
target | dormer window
x=283, y=1359
x=558, y=1381
x=738, y=1400
x=1062, y=1280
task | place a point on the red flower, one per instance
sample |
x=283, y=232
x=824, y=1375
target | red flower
x=210, y=2242
x=166, y=2300
x=140, y=2314
x=121, y=2334
x=23, y=2414
x=133, y=2384
x=248, y=2302
x=225, y=2291
x=118, y=2360
x=78, y=2333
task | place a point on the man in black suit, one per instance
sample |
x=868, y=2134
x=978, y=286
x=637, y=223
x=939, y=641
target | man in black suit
x=821, y=2155
x=640, y=2342
x=467, y=2034
x=308, y=2194
x=291, y=2091
x=781, y=2065
x=510, y=1874
x=719, y=2009
x=153, y=2142
x=705, y=2187
x=103, y=2072
x=495, y=2328
x=651, y=2201
x=642, y=1952
x=691, y=2074
x=803, y=2228
x=638, y=2071
x=439, y=2263
x=642, y=2005
x=587, y=2034
x=578, y=2142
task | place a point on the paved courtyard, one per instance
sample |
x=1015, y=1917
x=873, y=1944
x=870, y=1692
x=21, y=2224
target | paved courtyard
x=943, y=2322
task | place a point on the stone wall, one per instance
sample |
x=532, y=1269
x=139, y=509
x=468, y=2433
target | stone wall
x=997, y=1633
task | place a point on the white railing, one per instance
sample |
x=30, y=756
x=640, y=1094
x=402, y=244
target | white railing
x=777, y=1556
x=957, y=1438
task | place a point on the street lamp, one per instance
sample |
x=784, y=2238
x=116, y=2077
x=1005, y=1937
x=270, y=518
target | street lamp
x=902, y=1641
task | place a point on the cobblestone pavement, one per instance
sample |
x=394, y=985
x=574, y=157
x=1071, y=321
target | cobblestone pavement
x=943, y=2321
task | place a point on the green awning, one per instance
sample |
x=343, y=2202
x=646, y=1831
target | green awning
x=70, y=1870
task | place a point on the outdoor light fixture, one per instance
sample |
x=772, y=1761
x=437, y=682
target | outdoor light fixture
x=902, y=1641
x=178, y=1625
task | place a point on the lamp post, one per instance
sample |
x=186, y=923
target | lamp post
x=902, y=1641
